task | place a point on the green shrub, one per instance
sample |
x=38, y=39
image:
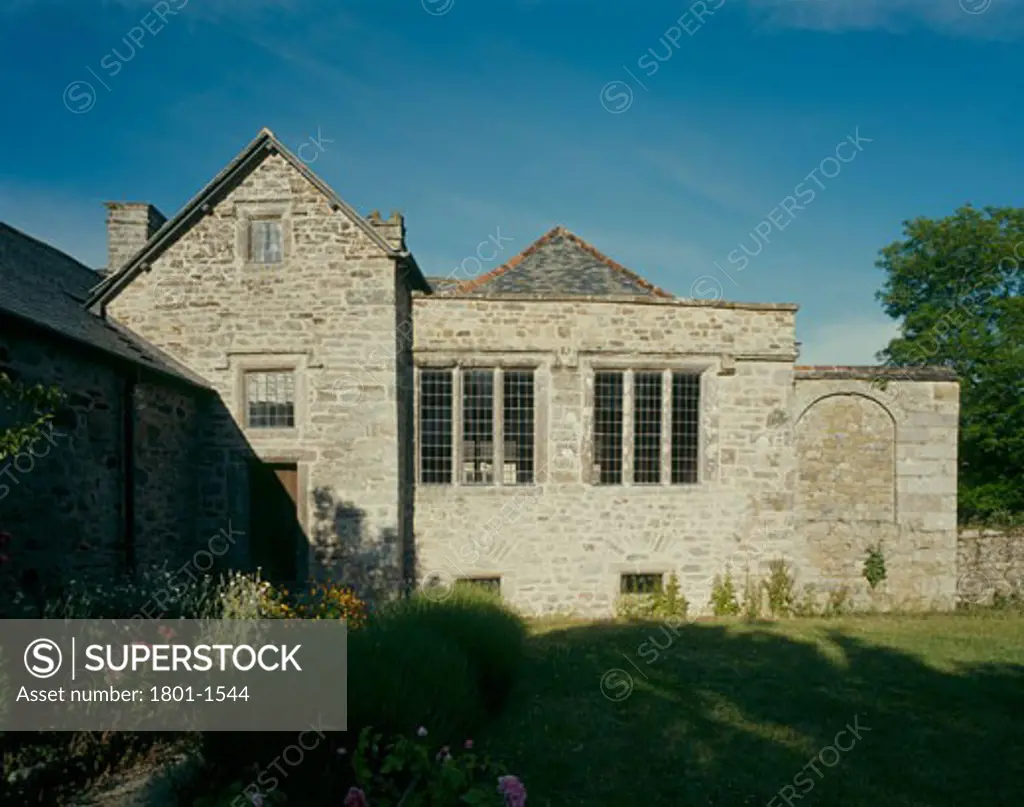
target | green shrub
x=247, y=596
x=669, y=603
x=635, y=606
x=751, y=598
x=490, y=635
x=1012, y=600
x=157, y=590
x=723, y=596
x=414, y=771
x=779, y=587
x=403, y=674
x=447, y=665
x=400, y=675
x=328, y=601
x=838, y=601
x=874, y=566
x=807, y=603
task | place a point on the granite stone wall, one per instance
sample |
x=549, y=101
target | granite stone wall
x=562, y=543
x=129, y=226
x=327, y=313
x=877, y=453
x=809, y=465
x=64, y=499
x=990, y=563
x=166, y=476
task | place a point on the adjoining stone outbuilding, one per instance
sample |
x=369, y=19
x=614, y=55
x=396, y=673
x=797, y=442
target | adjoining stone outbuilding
x=558, y=428
x=107, y=489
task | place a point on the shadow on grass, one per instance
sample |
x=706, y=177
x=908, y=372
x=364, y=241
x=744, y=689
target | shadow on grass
x=715, y=714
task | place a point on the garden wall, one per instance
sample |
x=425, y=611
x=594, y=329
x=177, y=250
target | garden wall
x=989, y=562
x=876, y=453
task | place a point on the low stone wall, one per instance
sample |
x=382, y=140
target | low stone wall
x=989, y=562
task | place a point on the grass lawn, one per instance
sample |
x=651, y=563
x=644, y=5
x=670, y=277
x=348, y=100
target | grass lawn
x=727, y=713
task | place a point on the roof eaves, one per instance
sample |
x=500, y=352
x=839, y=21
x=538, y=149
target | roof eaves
x=417, y=280
x=174, y=372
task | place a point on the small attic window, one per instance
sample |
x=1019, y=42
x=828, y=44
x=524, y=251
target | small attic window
x=266, y=243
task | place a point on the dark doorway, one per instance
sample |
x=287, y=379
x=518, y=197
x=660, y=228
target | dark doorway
x=273, y=519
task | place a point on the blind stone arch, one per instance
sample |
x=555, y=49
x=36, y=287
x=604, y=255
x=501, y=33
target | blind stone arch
x=846, y=452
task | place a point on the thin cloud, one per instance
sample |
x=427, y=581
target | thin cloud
x=985, y=19
x=211, y=10
x=697, y=172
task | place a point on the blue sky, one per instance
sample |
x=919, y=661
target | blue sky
x=668, y=134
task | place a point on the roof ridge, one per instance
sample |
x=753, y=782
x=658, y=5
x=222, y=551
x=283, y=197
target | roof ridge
x=615, y=265
x=511, y=263
x=560, y=230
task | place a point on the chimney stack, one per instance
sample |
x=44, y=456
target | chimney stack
x=129, y=226
x=391, y=229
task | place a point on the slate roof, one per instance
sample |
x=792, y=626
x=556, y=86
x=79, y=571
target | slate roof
x=560, y=263
x=49, y=288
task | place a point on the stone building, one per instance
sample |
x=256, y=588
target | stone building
x=103, y=490
x=559, y=428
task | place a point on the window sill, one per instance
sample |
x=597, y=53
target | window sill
x=650, y=487
x=477, y=486
x=270, y=431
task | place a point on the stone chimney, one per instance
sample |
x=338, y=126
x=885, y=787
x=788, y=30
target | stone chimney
x=391, y=229
x=129, y=226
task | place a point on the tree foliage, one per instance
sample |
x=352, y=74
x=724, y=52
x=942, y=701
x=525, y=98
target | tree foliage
x=25, y=412
x=955, y=283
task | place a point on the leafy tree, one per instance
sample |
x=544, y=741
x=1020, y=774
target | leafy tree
x=955, y=283
x=26, y=411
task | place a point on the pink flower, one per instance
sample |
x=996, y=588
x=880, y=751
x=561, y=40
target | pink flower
x=513, y=791
x=469, y=744
x=167, y=632
x=356, y=798
x=421, y=731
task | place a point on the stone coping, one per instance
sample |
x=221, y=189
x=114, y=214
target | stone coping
x=873, y=373
x=618, y=299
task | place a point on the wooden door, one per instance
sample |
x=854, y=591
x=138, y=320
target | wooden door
x=273, y=519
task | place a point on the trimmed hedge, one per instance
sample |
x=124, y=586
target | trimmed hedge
x=490, y=635
x=446, y=665
x=403, y=674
